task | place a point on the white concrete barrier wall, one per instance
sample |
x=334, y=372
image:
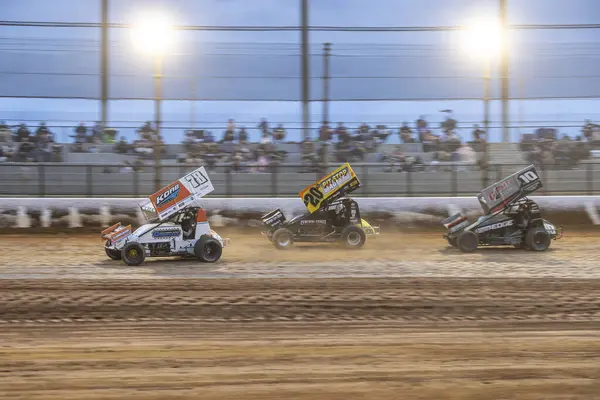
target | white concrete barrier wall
x=33, y=213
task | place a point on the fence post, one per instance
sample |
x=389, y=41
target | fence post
x=365, y=173
x=589, y=172
x=228, y=183
x=136, y=183
x=545, y=180
x=89, y=180
x=41, y=180
x=454, y=181
x=274, y=180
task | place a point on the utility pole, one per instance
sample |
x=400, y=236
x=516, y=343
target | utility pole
x=325, y=102
x=487, y=83
x=504, y=73
x=305, y=67
x=104, y=72
x=158, y=75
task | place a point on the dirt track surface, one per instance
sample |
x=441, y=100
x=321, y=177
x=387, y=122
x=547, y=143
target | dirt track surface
x=434, y=323
x=301, y=339
x=252, y=256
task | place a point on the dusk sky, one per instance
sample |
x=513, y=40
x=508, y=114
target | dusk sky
x=560, y=55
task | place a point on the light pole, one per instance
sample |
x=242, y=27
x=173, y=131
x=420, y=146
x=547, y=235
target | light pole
x=153, y=35
x=482, y=40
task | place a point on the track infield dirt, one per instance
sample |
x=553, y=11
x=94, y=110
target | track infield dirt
x=498, y=324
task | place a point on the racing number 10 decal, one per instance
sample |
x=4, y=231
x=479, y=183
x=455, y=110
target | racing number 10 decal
x=313, y=197
x=528, y=177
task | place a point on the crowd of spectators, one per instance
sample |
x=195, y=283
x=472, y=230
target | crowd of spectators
x=20, y=144
x=332, y=144
x=546, y=149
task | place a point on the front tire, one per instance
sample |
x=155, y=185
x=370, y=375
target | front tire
x=538, y=239
x=208, y=249
x=467, y=241
x=353, y=237
x=452, y=242
x=283, y=239
x=133, y=254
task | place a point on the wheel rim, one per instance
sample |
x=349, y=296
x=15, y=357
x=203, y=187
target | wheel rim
x=133, y=253
x=539, y=238
x=353, y=238
x=284, y=239
x=210, y=251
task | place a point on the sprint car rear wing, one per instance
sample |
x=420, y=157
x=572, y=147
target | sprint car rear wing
x=338, y=183
x=182, y=193
x=510, y=189
x=116, y=233
x=273, y=219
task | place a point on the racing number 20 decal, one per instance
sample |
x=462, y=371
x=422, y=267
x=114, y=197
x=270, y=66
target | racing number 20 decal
x=528, y=177
x=313, y=197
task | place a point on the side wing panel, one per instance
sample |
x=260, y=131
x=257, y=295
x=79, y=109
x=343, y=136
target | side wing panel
x=333, y=186
x=181, y=193
x=513, y=187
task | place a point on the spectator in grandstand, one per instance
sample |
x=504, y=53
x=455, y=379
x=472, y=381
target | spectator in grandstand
x=229, y=135
x=325, y=133
x=591, y=132
x=146, y=132
x=98, y=132
x=26, y=148
x=422, y=127
x=406, y=134
x=243, y=136
x=122, y=147
x=266, y=138
x=23, y=133
x=263, y=126
x=308, y=158
x=81, y=133
x=6, y=141
x=42, y=132
x=478, y=133
x=342, y=133
x=363, y=129
x=279, y=133
x=466, y=156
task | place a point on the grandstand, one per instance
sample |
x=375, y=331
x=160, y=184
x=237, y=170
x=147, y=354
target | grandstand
x=105, y=173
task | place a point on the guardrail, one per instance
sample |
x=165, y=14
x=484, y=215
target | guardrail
x=443, y=179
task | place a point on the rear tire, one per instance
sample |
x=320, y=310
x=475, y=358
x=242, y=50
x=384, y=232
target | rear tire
x=113, y=254
x=133, y=254
x=538, y=239
x=353, y=237
x=208, y=249
x=283, y=239
x=467, y=241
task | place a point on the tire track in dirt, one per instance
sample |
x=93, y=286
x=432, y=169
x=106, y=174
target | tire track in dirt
x=417, y=300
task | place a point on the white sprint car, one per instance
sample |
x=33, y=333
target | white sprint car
x=177, y=226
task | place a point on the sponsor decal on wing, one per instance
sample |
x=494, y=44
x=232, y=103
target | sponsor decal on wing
x=168, y=195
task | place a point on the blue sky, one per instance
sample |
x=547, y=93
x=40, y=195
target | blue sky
x=552, y=47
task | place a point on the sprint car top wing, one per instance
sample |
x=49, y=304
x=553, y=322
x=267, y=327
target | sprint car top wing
x=181, y=193
x=510, y=189
x=337, y=184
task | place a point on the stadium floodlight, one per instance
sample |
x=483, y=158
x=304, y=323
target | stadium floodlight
x=153, y=33
x=483, y=38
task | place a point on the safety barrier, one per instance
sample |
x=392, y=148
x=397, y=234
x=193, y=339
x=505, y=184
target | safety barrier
x=90, y=214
